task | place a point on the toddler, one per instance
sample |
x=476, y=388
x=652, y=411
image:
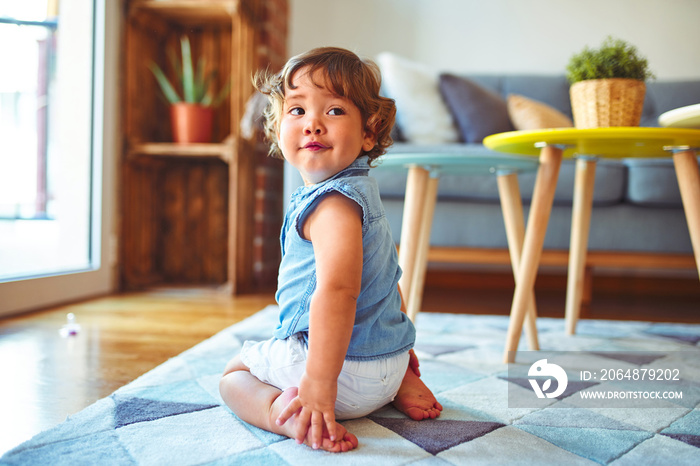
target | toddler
x=343, y=346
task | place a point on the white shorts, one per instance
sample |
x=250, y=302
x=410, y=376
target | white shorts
x=363, y=386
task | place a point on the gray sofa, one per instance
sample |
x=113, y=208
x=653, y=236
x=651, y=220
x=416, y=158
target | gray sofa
x=637, y=206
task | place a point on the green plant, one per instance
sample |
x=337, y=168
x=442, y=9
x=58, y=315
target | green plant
x=614, y=59
x=194, y=85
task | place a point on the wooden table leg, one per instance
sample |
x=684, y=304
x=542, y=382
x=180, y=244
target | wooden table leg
x=512, y=207
x=688, y=175
x=578, y=245
x=416, y=186
x=415, y=297
x=542, y=198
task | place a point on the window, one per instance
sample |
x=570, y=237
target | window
x=45, y=138
x=58, y=146
x=24, y=102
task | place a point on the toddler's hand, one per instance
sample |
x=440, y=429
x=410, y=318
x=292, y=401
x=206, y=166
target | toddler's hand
x=315, y=409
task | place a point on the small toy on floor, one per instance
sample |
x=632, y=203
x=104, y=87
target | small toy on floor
x=71, y=328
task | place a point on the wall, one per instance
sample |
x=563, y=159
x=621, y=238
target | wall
x=530, y=36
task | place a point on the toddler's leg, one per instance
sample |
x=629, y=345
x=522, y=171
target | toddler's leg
x=260, y=404
x=415, y=399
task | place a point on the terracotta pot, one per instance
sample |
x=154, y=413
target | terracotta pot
x=598, y=103
x=191, y=123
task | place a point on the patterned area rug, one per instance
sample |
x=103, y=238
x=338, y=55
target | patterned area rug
x=174, y=415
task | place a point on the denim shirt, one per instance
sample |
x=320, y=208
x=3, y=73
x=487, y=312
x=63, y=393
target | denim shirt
x=381, y=330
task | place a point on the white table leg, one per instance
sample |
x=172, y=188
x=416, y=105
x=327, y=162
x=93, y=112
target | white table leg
x=578, y=246
x=416, y=187
x=512, y=207
x=415, y=297
x=688, y=175
x=542, y=199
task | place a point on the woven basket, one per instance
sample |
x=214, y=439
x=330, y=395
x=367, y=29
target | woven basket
x=598, y=103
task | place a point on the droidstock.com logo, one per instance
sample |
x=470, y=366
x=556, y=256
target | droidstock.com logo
x=542, y=368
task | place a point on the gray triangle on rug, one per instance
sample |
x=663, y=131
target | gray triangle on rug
x=437, y=436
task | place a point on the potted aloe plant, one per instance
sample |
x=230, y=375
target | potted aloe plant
x=608, y=85
x=191, y=111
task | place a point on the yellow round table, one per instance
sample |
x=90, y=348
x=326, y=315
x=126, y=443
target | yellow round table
x=588, y=145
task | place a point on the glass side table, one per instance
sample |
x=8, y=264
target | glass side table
x=424, y=171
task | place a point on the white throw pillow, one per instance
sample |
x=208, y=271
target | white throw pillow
x=421, y=112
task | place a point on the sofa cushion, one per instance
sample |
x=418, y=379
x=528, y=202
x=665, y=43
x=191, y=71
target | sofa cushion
x=527, y=114
x=652, y=182
x=609, y=188
x=550, y=90
x=622, y=227
x=392, y=180
x=609, y=184
x=421, y=112
x=477, y=111
x=662, y=96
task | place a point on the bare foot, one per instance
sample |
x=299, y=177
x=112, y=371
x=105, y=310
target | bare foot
x=415, y=399
x=345, y=441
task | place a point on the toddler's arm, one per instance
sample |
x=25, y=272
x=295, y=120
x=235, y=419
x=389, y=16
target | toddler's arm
x=335, y=230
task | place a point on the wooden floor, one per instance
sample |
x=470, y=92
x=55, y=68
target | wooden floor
x=46, y=377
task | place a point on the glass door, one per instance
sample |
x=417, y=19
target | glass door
x=53, y=150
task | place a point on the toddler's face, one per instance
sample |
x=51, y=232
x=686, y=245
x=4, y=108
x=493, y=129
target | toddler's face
x=320, y=133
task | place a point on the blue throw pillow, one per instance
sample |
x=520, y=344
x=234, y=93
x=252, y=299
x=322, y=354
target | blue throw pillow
x=477, y=111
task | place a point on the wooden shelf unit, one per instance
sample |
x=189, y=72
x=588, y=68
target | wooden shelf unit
x=187, y=210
